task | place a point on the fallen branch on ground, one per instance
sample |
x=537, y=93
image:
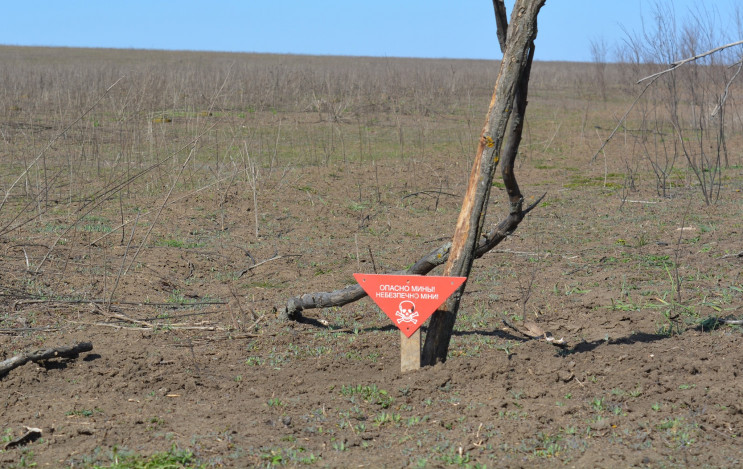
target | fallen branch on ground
x=65, y=351
x=428, y=193
x=740, y=254
x=437, y=257
x=32, y=434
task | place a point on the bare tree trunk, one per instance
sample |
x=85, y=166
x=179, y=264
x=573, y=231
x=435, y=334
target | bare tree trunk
x=512, y=79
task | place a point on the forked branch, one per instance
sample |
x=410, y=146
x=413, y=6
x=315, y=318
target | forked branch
x=426, y=264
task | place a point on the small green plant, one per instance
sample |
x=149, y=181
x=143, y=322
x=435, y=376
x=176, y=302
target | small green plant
x=598, y=404
x=517, y=395
x=575, y=291
x=415, y=420
x=80, y=413
x=254, y=361
x=275, y=402
x=176, y=297
x=384, y=417
x=371, y=394
x=340, y=445
x=678, y=431
x=505, y=347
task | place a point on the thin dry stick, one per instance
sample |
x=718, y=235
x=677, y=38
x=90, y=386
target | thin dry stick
x=123, y=261
x=122, y=317
x=731, y=321
x=252, y=171
x=358, y=258
x=236, y=301
x=606, y=170
x=247, y=269
x=374, y=264
x=724, y=96
x=675, y=65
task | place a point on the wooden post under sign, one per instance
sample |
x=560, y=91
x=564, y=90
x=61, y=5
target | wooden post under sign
x=410, y=351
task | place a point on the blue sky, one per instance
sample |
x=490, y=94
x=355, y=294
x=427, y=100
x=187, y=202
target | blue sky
x=392, y=28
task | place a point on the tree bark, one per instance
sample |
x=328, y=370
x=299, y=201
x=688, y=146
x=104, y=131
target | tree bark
x=515, y=67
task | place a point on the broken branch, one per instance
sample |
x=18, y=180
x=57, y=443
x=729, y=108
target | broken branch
x=65, y=351
x=426, y=264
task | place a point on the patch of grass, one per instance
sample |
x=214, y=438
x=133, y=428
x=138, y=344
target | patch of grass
x=52, y=228
x=548, y=446
x=277, y=456
x=651, y=260
x=458, y=457
x=371, y=394
x=384, y=417
x=579, y=181
x=357, y=207
x=678, y=431
x=178, y=243
x=598, y=405
x=177, y=297
x=574, y=290
x=97, y=228
x=266, y=284
x=174, y=458
x=26, y=459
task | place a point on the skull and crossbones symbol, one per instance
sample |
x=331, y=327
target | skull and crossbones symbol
x=406, y=312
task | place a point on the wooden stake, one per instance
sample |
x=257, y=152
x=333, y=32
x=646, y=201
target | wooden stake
x=410, y=351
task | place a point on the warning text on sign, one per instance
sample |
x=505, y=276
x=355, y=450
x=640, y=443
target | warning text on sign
x=407, y=292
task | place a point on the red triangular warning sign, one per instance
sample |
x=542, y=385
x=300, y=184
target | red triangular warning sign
x=408, y=300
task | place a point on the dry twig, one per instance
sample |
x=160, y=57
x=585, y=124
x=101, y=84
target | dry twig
x=675, y=65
